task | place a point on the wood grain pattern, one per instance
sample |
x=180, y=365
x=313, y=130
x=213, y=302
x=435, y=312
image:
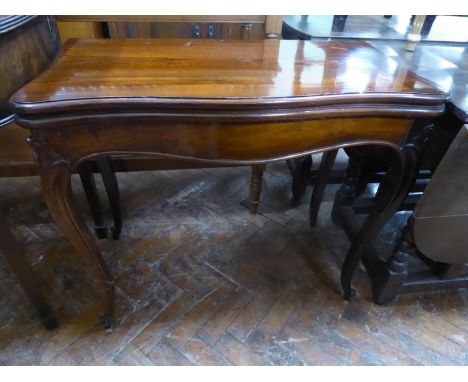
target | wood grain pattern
x=122, y=74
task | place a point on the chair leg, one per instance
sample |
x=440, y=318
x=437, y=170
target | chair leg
x=112, y=190
x=255, y=187
x=326, y=165
x=15, y=259
x=300, y=172
x=89, y=185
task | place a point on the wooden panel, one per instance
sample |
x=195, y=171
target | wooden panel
x=78, y=30
x=224, y=143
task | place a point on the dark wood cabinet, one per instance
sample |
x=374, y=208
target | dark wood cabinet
x=211, y=27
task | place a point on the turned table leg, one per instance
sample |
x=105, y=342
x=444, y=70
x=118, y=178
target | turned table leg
x=255, y=187
x=15, y=259
x=396, y=267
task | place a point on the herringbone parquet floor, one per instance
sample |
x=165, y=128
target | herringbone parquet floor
x=199, y=281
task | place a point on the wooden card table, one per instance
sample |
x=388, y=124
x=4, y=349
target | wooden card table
x=223, y=102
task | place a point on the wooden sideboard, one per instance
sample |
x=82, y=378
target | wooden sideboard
x=213, y=27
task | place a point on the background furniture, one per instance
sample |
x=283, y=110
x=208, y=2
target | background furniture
x=217, y=27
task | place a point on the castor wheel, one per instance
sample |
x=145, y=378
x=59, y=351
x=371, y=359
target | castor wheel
x=106, y=323
x=349, y=294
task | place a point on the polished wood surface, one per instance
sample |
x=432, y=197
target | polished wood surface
x=222, y=74
x=229, y=143
x=225, y=102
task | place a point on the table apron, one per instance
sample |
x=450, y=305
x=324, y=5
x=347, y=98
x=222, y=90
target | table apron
x=224, y=143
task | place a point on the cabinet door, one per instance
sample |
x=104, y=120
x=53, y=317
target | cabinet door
x=209, y=30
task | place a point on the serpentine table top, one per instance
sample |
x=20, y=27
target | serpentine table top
x=233, y=102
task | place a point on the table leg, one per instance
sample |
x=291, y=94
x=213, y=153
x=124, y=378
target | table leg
x=393, y=190
x=89, y=186
x=300, y=171
x=396, y=267
x=347, y=192
x=326, y=165
x=255, y=187
x=113, y=194
x=57, y=192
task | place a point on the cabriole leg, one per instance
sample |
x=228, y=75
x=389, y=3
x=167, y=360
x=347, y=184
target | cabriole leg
x=57, y=192
x=394, y=188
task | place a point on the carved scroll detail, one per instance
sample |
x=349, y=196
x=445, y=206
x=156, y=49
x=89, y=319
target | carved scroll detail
x=45, y=153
